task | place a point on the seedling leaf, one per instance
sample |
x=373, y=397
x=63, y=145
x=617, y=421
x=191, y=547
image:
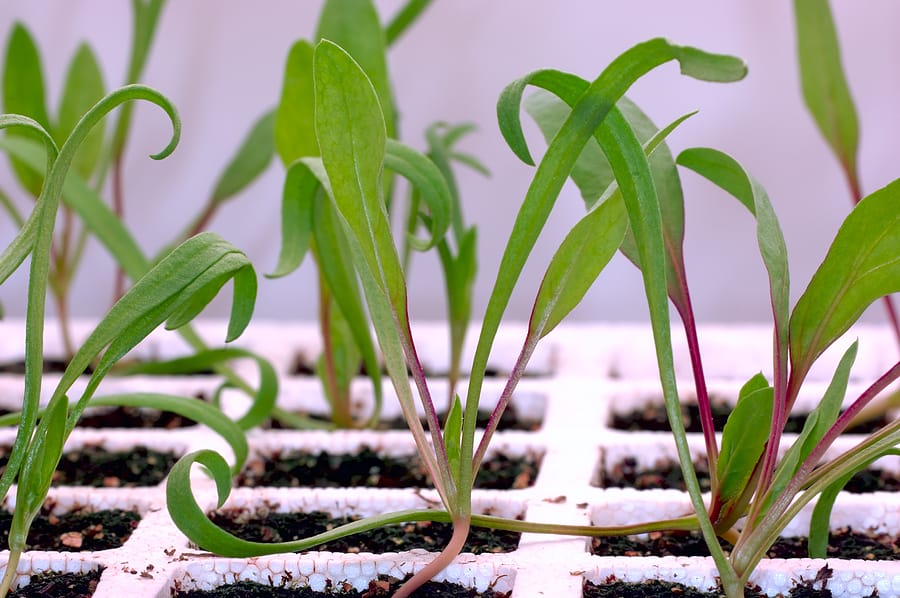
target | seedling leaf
x=251, y=159
x=744, y=437
x=82, y=89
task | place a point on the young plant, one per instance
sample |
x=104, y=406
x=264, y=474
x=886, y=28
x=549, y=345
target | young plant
x=310, y=224
x=356, y=151
x=101, y=154
x=174, y=291
x=754, y=494
x=828, y=99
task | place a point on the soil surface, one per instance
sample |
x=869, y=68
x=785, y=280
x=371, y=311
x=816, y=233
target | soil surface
x=70, y=585
x=97, y=467
x=666, y=475
x=134, y=417
x=652, y=418
x=377, y=589
x=843, y=543
x=509, y=421
x=262, y=526
x=75, y=531
x=324, y=470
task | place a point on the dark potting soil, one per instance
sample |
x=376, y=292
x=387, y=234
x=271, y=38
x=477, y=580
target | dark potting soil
x=626, y=474
x=75, y=531
x=70, y=585
x=134, y=417
x=95, y=466
x=652, y=418
x=368, y=468
x=51, y=366
x=842, y=543
x=509, y=421
x=267, y=526
x=382, y=587
x=652, y=589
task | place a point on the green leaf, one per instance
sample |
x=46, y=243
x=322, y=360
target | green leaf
x=728, y=174
x=430, y=184
x=263, y=398
x=301, y=187
x=352, y=138
x=403, y=19
x=252, y=158
x=744, y=437
x=583, y=254
x=198, y=410
x=82, y=89
x=862, y=265
x=453, y=434
x=23, y=93
x=295, y=132
x=335, y=261
x=43, y=456
x=824, y=84
x=816, y=425
x=354, y=26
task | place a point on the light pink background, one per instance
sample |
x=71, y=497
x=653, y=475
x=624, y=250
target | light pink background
x=221, y=63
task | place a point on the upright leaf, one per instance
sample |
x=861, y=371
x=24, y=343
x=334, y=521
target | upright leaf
x=744, y=437
x=583, y=254
x=354, y=26
x=23, y=93
x=862, y=265
x=825, y=88
x=295, y=131
x=82, y=89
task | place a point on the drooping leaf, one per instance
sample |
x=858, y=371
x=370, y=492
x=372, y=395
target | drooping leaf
x=862, y=265
x=295, y=132
x=263, y=398
x=297, y=199
x=583, y=254
x=430, y=184
x=23, y=93
x=824, y=84
x=728, y=174
x=82, y=89
x=744, y=437
x=252, y=158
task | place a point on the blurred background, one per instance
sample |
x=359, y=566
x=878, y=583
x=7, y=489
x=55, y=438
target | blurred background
x=222, y=63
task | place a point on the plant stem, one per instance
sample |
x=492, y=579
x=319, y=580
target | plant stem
x=441, y=561
x=12, y=564
x=118, y=204
x=340, y=409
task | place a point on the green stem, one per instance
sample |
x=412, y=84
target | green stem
x=12, y=564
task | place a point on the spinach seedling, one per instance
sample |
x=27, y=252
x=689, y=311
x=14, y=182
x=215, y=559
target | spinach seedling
x=754, y=494
x=174, y=291
x=311, y=226
x=355, y=153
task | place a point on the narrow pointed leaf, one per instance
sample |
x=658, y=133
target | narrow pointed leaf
x=251, y=160
x=82, y=89
x=453, y=433
x=583, y=254
x=295, y=133
x=728, y=174
x=824, y=84
x=23, y=93
x=862, y=265
x=300, y=189
x=744, y=437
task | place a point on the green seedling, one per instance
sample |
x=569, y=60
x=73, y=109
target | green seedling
x=172, y=292
x=754, y=494
x=348, y=174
